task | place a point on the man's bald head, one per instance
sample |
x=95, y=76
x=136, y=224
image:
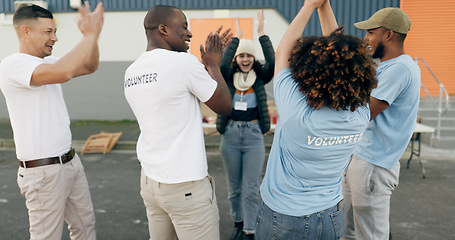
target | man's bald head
x=160, y=14
x=166, y=27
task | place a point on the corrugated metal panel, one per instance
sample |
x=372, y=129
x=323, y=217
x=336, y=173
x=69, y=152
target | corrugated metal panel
x=7, y=6
x=349, y=12
x=432, y=38
x=133, y=5
x=346, y=11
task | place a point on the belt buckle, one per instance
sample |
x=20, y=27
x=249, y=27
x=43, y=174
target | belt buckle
x=24, y=164
x=64, y=158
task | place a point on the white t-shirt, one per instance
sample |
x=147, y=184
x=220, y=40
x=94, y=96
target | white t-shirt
x=164, y=89
x=38, y=115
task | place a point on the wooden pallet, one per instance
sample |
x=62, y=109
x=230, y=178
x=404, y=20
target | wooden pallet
x=101, y=143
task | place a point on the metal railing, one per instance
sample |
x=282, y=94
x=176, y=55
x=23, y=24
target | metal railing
x=439, y=104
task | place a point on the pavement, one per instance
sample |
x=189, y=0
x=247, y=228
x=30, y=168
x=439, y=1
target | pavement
x=420, y=208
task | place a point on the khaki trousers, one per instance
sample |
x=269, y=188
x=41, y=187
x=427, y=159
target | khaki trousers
x=188, y=210
x=54, y=193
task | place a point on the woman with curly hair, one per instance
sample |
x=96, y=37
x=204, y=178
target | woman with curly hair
x=242, y=143
x=322, y=87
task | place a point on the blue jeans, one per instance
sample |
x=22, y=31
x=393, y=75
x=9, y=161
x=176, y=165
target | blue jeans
x=327, y=224
x=243, y=153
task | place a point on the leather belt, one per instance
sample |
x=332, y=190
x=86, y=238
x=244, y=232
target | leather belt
x=47, y=161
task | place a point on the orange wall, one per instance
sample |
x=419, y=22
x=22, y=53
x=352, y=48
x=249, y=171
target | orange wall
x=200, y=28
x=432, y=37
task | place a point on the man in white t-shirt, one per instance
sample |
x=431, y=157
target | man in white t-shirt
x=51, y=175
x=164, y=87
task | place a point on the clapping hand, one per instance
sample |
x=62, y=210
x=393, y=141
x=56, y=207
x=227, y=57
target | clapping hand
x=214, y=46
x=91, y=22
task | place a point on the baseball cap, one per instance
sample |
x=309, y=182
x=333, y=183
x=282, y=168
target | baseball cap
x=391, y=18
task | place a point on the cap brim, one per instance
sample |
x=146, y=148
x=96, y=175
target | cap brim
x=366, y=25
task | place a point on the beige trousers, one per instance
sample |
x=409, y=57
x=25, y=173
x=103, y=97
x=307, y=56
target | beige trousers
x=188, y=210
x=54, y=193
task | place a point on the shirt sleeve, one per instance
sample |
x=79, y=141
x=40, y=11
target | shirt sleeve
x=391, y=83
x=19, y=69
x=19, y=72
x=286, y=93
x=198, y=80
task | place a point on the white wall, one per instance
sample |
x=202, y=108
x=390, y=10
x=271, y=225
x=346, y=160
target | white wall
x=122, y=41
x=123, y=38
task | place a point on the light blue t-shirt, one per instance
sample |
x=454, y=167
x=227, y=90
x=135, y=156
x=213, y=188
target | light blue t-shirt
x=389, y=133
x=310, y=150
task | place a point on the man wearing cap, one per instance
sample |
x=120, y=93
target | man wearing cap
x=373, y=170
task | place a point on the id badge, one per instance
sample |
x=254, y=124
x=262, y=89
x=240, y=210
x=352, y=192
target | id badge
x=240, y=106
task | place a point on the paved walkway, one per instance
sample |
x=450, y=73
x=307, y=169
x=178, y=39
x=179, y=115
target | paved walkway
x=421, y=208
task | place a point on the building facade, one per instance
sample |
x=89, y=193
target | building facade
x=100, y=96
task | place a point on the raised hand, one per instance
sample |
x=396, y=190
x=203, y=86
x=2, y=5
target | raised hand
x=226, y=36
x=238, y=30
x=91, y=23
x=315, y=4
x=214, y=46
x=261, y=21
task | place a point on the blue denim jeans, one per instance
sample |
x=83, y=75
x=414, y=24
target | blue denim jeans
x=243, y=153
x=327, y=225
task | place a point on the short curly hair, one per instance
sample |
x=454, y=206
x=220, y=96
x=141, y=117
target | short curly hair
x=333, y=71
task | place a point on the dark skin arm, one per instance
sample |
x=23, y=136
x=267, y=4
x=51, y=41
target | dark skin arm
x=376, y=107
x=221, y=100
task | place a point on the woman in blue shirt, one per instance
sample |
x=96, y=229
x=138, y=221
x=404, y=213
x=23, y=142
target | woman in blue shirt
x=322, y=86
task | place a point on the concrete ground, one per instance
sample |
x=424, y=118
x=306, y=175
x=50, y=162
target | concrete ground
x=420, y=208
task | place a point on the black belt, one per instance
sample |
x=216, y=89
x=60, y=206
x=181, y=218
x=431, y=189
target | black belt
x=47, y=161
